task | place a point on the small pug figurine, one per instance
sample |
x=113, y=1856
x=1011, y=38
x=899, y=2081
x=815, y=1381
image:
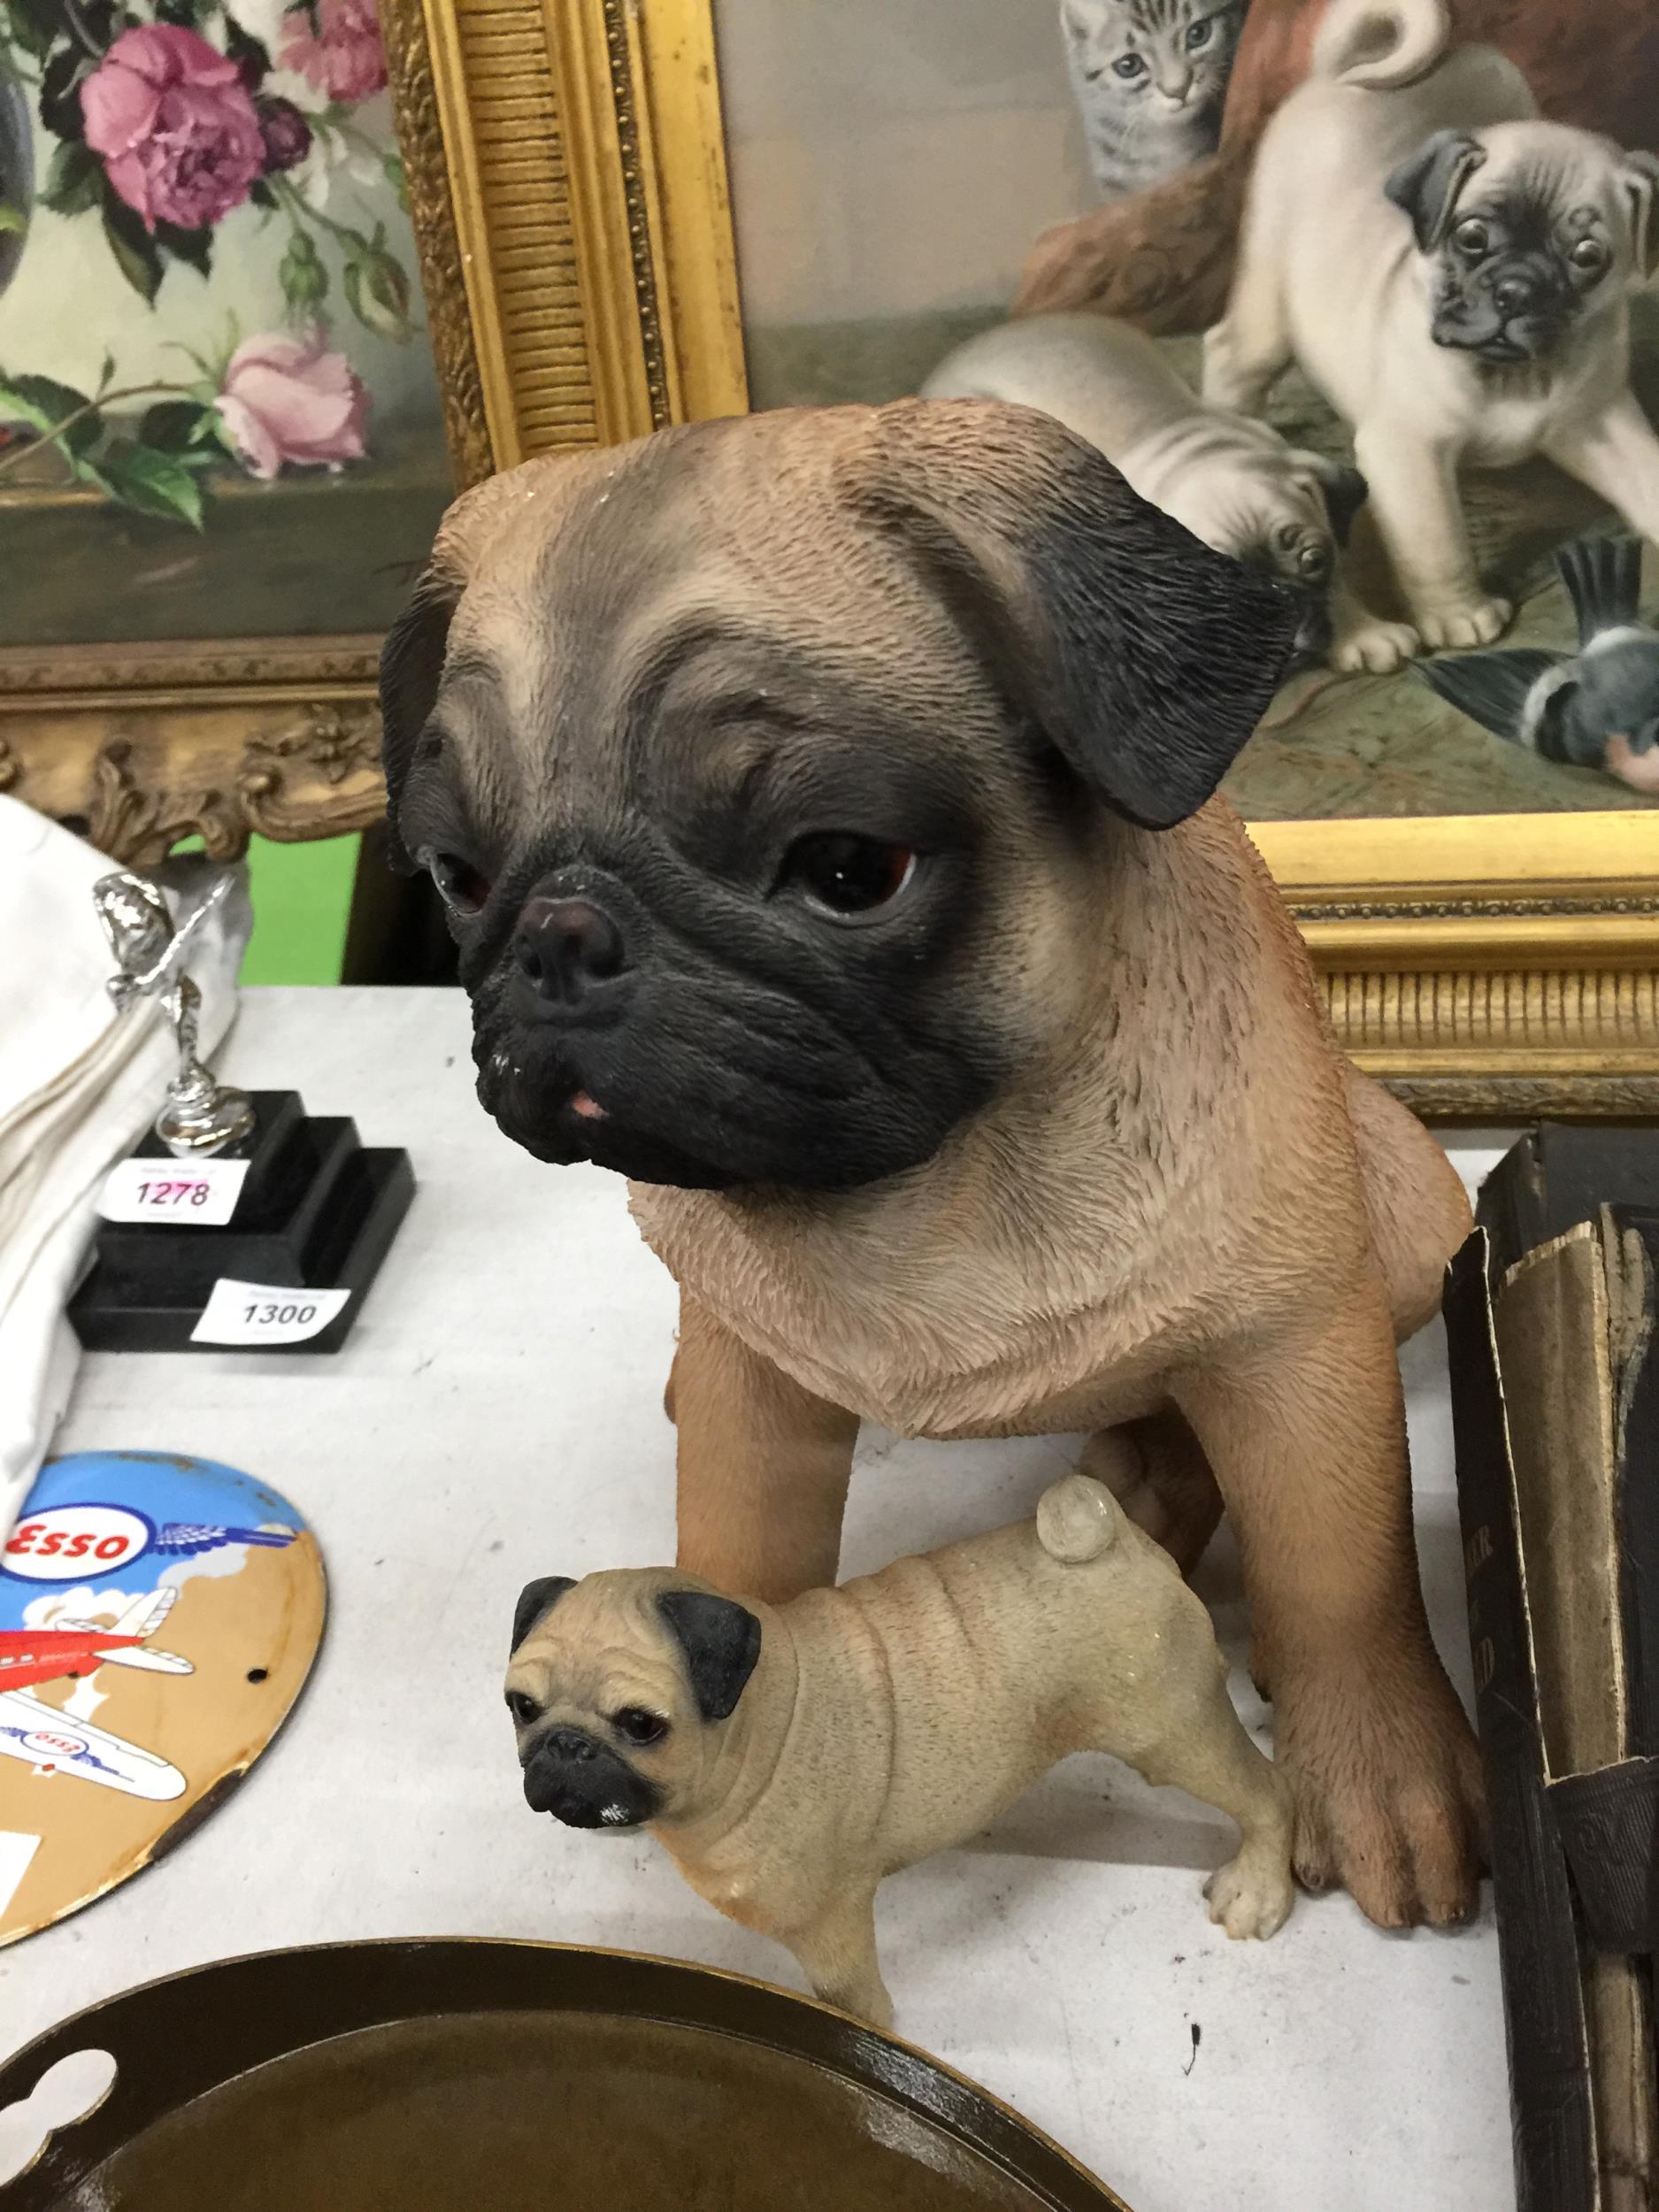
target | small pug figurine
x=789, y=1756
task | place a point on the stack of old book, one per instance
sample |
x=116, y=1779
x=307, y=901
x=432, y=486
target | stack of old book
x=1550, y=1313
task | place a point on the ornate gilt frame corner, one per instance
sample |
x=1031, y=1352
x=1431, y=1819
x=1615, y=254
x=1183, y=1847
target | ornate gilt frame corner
x=1487, y=968
x=566, y=171
x=138, y=748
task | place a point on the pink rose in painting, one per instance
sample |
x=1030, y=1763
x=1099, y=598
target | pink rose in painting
x=174, y=126
x=343, y=58
x=288, y=400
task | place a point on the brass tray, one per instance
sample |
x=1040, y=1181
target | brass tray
x=465, y=2077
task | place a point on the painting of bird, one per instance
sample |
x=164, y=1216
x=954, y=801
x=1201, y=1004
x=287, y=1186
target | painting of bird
x=1597, y=708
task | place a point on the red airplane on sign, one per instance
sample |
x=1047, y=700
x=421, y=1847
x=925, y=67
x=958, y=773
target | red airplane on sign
x=73, y=1649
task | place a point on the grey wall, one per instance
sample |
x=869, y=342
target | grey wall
x=890, y=157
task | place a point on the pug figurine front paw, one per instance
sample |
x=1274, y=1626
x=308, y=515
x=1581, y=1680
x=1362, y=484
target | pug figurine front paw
x=789, y=1756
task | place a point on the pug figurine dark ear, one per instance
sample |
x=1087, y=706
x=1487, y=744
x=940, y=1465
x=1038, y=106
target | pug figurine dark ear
x=1142, y=656
x=1427, y=184
x=412, y=667
x=535, y=1599
x=721, y=1642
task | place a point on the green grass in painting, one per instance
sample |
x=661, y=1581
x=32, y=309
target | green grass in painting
x=302, y=901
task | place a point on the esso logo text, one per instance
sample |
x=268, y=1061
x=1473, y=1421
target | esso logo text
x=44, y=1745
x=75, y=1543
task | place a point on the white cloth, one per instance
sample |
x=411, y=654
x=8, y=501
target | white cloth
x=79, y=1084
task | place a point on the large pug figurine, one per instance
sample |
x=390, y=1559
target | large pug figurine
x=789, y=1757
x=823, y=804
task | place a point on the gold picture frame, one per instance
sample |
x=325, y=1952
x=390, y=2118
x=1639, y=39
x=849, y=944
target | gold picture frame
x=567, y=170
x=138, y=746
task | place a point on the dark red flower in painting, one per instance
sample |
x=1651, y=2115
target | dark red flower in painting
x=285, y=133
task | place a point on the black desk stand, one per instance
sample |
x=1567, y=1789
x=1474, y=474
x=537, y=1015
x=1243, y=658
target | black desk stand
x=318, y=1211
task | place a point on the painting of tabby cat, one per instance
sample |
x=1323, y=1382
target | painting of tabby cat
x=1151, y=77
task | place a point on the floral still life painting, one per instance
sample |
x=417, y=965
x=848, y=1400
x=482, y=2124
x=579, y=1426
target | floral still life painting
x=218, y=410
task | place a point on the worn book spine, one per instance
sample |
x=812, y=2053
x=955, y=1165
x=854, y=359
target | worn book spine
x=1559, y=1175
x=1543, y=1997
x=1607, y=1808
x=1637, y=1419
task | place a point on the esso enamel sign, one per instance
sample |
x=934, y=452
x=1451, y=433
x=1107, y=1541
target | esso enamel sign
x=45, y=1745
x=75, y=1543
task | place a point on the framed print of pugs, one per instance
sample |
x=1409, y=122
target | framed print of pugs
x=1151, y=77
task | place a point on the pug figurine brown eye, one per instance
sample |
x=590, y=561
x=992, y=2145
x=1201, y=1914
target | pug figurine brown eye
x=789, y=1758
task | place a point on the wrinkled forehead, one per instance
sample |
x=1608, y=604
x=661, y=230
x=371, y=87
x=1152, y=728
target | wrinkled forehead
x=1551, y=175
x=602, y=1643
x=1261, y=496
x=684, y=574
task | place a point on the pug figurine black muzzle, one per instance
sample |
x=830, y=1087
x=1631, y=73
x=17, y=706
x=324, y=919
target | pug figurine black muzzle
x=584, y=1783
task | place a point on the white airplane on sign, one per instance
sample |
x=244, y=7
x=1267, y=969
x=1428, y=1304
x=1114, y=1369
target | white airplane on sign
x=53, y=1742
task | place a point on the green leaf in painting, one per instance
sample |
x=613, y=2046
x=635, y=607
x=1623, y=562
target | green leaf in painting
x=215, y=439
x=86, y=473
x=13, y=222
x=393, y=165
x=75, y=180
x=171, y=425
x=304, y=279
x=377, y=288
x=33, y=27
x=134, y=248
x=252, y=55
x=61, y=79
x=194, y=247
x=45, y=406
x=153, y=484
x=47, y=392
x=15, y=407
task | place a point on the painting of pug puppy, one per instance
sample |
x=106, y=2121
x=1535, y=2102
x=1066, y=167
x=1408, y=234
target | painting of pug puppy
x=790, y=1757
x=1454, y=273
x=823, y=801
x=1461, y=321
x=1230, y=479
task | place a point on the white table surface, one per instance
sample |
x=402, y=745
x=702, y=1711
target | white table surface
x=496, y=1416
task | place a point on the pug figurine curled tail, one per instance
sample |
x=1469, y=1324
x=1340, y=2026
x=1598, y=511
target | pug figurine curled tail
x=789, y=1756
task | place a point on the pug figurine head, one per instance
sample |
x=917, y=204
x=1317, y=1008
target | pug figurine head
x=620, y=1688
x=767, y=769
